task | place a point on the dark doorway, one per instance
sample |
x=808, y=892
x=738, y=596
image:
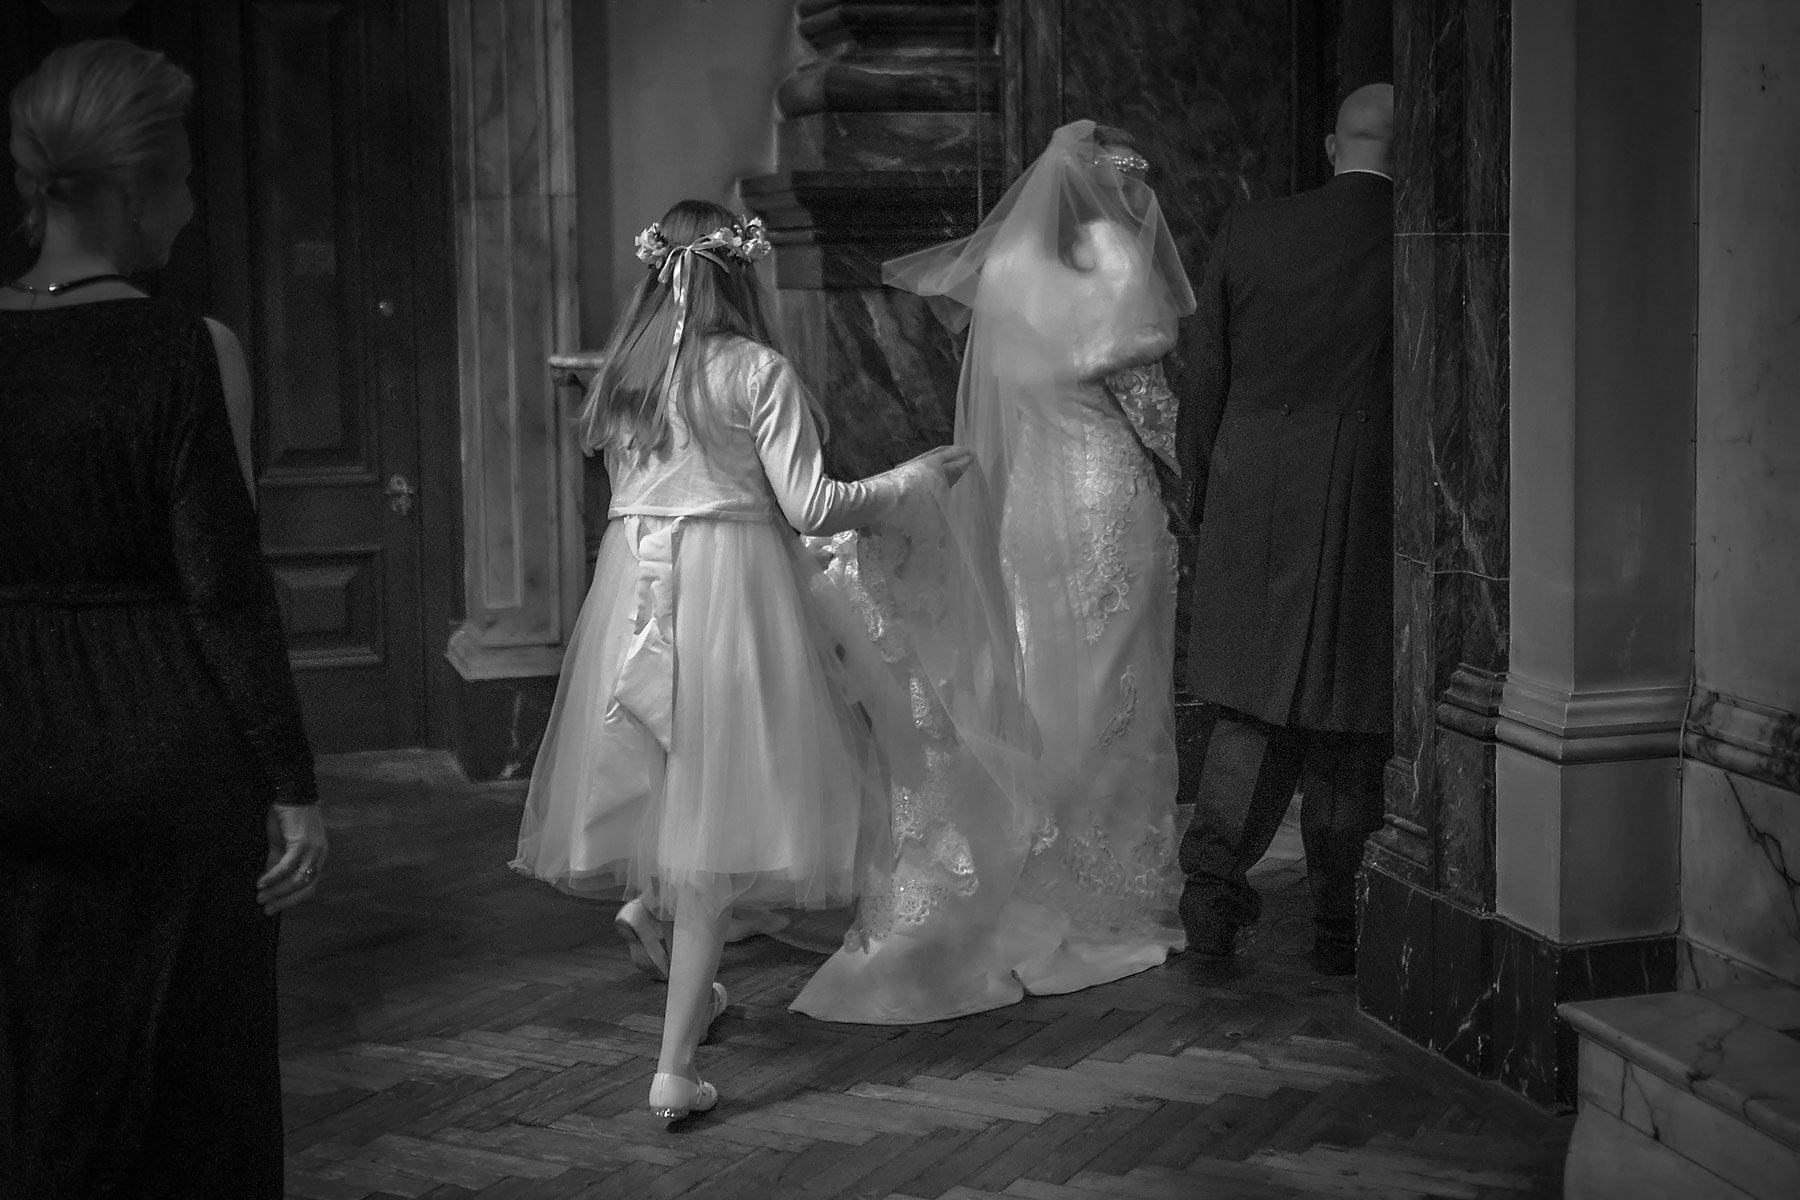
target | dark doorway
x=322, y=237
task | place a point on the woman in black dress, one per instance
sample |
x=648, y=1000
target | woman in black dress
x=156, y=789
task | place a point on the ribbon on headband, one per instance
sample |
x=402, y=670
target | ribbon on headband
x=679, y=266
x=742, y=240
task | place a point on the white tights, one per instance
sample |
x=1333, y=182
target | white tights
x=694, y=948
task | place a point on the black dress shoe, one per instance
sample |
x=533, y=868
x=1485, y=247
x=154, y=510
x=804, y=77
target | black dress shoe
x=1213, y=940
x=1334, y=958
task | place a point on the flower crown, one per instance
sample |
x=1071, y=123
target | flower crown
x=744, y=239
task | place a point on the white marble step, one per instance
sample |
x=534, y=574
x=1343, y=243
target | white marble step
x=1688, y=1094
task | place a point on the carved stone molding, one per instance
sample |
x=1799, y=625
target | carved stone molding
x=888, y=138
x=834, y=228
x=1402, y=848
x=889, y=142
x=1471, y=704
x=1599, y=725
x=1745, y=738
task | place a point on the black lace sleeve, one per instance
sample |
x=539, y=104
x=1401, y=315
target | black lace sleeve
x=230, y=596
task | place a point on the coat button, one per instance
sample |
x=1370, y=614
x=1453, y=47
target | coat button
x=1361, y=415
x=1285, y=410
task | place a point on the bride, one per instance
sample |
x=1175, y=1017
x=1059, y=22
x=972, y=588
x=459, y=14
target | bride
x=1031, y=615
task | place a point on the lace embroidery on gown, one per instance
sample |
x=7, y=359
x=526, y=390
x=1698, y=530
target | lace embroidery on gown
x=1103, y=855
x=1143, y=394
x=891, y=577
x=1103, y=884
x=1128, y=697
x=1112, y=473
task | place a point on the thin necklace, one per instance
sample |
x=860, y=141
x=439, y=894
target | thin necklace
x=52, y=289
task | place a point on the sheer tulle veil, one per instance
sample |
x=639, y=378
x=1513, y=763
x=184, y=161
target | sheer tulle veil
x=1073, y=273
x=1074, y=267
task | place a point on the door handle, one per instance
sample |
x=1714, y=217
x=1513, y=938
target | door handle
x=400, y=494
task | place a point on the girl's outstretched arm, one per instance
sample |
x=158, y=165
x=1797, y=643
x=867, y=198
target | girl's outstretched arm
x=815, y=504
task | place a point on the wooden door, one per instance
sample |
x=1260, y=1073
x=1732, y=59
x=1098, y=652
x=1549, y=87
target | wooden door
x=327, y=298
x=312, y=122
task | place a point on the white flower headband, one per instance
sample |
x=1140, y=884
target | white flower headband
x=743, y=240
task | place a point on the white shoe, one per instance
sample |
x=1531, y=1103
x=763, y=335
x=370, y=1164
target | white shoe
x=720, y=1000
x=673, y=1097
x=642, y=935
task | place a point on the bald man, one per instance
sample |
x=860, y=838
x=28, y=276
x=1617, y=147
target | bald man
x=1287, y=443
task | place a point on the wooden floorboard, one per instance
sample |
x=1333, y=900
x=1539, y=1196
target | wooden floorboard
x=451, y=1031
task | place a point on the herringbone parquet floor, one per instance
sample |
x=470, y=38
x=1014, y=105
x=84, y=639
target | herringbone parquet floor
x=452, y=1030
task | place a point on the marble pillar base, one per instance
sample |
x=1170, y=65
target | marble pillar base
x=1425, y=968
x=1463, y=769
x=1588, y=851
x=1483, y=992
x=498, y=724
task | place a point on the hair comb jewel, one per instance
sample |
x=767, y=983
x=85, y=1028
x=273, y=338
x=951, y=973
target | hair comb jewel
x=1126, y=162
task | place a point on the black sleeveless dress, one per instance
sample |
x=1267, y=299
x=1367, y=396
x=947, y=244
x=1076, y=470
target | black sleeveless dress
x=147, y=720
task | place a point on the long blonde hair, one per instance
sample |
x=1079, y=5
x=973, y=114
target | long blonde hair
x=626, y=408
x=98, y=112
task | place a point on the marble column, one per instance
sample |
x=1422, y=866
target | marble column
x=1587, y=836
x=1424, y=959
x=1544, y=620
x=1740, y=807
x=513, y=156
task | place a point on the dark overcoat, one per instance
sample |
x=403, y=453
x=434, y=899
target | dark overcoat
x=1286, y=444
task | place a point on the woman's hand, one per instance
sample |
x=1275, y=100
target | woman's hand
x=297, y=853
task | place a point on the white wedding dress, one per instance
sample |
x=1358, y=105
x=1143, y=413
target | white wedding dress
x=1029, y=862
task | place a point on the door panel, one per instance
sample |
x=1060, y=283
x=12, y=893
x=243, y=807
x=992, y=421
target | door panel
x=304, y=187
x=330, y=359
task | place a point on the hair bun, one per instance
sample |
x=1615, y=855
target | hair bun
x=104, y=111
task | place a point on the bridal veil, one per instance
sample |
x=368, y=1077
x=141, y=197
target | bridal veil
x=1072, y=277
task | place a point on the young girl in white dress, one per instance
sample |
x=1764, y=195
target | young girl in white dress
x=703, y=749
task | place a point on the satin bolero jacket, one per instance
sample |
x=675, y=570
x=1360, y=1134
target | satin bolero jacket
x=760, y=457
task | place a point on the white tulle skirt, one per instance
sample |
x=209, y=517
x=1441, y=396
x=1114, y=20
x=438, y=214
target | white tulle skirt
x=707, y=733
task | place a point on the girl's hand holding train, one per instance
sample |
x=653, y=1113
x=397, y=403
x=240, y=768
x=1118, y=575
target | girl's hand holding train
x=948, y=461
